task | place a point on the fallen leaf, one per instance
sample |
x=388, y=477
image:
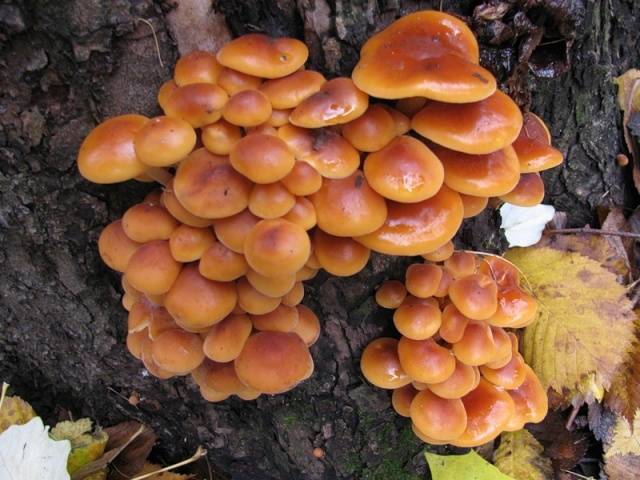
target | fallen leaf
x=470, y=466
x=27, y=452
x=86, y=447
x=523, y=226
x=14, y=411
x=584, y=326
x=622, y=450
x=521, y=456
x=133, y=458
x=624, y=395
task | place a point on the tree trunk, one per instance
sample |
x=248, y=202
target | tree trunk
x=66, y=65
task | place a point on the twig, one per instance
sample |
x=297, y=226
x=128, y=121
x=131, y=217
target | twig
x=577, y=475
x=5, y=387
x=155, y=39
x=200, y=452
x=595, y=231
x=572, y=417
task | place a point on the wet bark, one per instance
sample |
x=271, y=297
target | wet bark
x=66, y=65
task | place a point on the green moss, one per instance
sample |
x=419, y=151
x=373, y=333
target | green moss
x=290, y=419
x=390, y=469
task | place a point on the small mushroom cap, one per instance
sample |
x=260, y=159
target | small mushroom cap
x=529, y=191
x=324, y=149
x=107, y=154
x=405, y=170
x=422, y=279
x=279, y=118
x=476, y=347
x=439, y=418
x=139, y=316
x=188, y=244
x=173, y=205
x=308, y=326
x=427, y=54
x=135, y=341
x=409, y=106
x=254, y=302
x=531, y=402
x=277, y=247
x=372, y=130
x=391, y=294
x=152, y=269
x=340, y=256
x=282, y=319
x=164, y=141
x=274, y=287
x=306, y=273
x=221, y=263
x=416, y=228
x=211, y=395
x=473, y=205
x=197, y=67
x=380, y=364
x=516, y=309
x=209, y=187
x=338, y=101
x=426, y=438
x=441, y=253
x=417, y=322
x=401, y=399
x=248, y=108
x=511, y=376
x=198, y=104
x=445, y=283
x=533, y=146
x=461, y=264
x=486, y=175
x=292, y=90
x=196, y=302
x=348, y=207
x=453, y=325
x=225, y=340
x=462, y=381
x=220, y=377
x=115, y=247
x=302, y=213
x=160, y=321
x=233, y=81
x=425, y=360
x=476, y=296
x=232, y=231
x=294, y=296
x=474, y=128
x=149, y=363
x=401, y=121
x=165, y=91
x=274, y=362
x=270, y=200
x=248, y=394
x=489, y=409
x=144, y=223
x=220, y=137
x=504, y=273
x=262, y=158
x=262, y=56
x=177, y=351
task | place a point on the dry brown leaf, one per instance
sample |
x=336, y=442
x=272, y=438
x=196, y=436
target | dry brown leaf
x=134, y=456
x=623, y=396
x=629, y=102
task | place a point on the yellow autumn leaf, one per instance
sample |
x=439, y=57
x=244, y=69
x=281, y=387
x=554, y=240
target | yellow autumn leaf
x=86, y=447
x=469, y=466
x=624, y=395
x=584, y=326
x=520, y=456
x=622, y=450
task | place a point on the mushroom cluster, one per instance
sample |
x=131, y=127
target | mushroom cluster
x=456, y=371
x=271, y=172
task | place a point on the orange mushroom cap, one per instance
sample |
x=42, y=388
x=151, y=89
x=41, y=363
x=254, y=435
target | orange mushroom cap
x=462, y=381
x=409, y=106
x=474, y=128
x=416, y=228
x=372, y=130
x=135, y=341
x=439, y=418
x=303, y=179
x=152, y=269
x=279, y=118
x=302, y=213
x=282, y=319
x=262, y=158
x=196, y=302
x=531, y=402
x=165, y=91
x=445, y=283
x=270, y=200
x=401, y=399
x=516, y=309
x=405, y=170
x=308, y=326
x=177, y=351
x=274, y=362
x=510, y=376
x=248, y=108
x=292, y=90
x=139, y=316
x=188, y=244
x=473, y=205
x=502, y=271
x=164, y=141
x=144, y=223
x=254, y=302
x=221, y=263
x=417, y=321
x=476, y=296
x=453, y=325
x=349, y=207
x=401, y=121
x=529, y=191
x=233, y=81
x=197, y=67
x=391, y=294
x=198, y=104
x=338, y=101
x=461, y=264
x=173, y=205
x=220, y=137
x=422, y=280
x=149, y=363
x=476, y=347
x=274, y=287
x=380, y=364
x=160, y=321
x=340, y=256
x=115, y=247
x=262, y=56
x=294, y=296
x=232, y=231
x=425, y=360
x=441, y=253
x=219, y=377
x=107, y=154
x=533, y=146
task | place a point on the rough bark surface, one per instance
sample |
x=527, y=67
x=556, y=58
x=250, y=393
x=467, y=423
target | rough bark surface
x=66, y=65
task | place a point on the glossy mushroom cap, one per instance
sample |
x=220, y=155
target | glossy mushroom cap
x=177, y=351
x=461, y=264
x=533, y=146
x=340, y=256
x=401, y=399
x=164, y=141
x=270, y=200
x=303, y=179
x=425, y=54
x=380, y=364
x=144, y=223
x=274, y=287
x=308, y=326
x=391, y=294
x=473, y=205
x=221, y=263
x=277, y=247
x=198, y=104
x=262, y=56
x=173, y=205
x=149, y=363
x=439, y=418
x=474, y=128
x=254, y=302
x=489, y=409
x=219, y=377
x=476, y=296
x=274, y=362
x=463, y=379
x=503, y=272
x=511, y=376
x=441, y=253
x=220, y=137
x=232, y=231
x=422, y=279
x=152, y=269
x=401, y=121
x=338, y=101
x=232, y=81
x=417, y=321
x=197, y=67
x=188, y=244
x=453, y=324
x=248, y=108
x=485, y=175
x=196, y=302
x=445, y=283
x=292, y=90
x=529, y=191
x=294, y=296
x=262, y=158
x=165, y=91
x=302, y=213
x=531, y=403
x=476, y=347
x=416, y=228
x=372, y=130
x=282, y=319
x=107, y=154
x=405, y=170
x=115, y=247
x=209, y=187
x=348, y=207
x=425, y=360
x=516, y=309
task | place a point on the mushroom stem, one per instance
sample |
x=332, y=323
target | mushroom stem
x=160, y=175
x=596, y=231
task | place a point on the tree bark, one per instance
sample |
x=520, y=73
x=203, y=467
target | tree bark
x=66, y=65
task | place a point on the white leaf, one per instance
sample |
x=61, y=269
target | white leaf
x=523, y=225
x=27, y=453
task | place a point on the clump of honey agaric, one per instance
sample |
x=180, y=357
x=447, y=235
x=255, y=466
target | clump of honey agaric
x=456, y=371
